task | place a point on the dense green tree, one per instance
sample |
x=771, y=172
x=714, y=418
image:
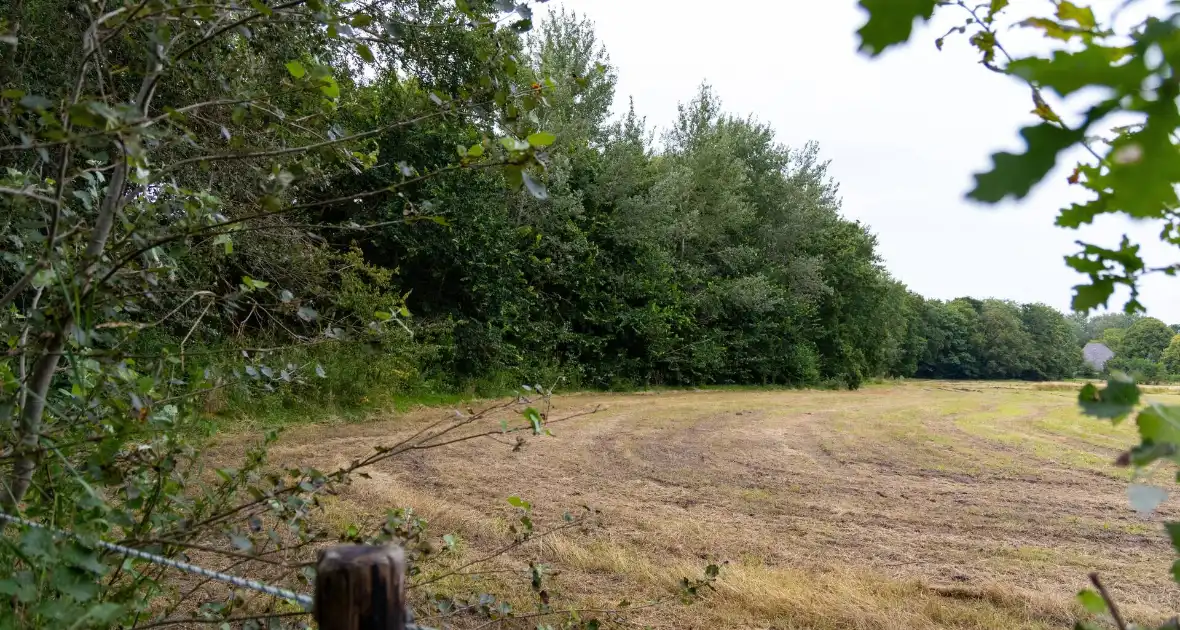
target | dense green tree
x=1005, y=346
x=991, y=339
x=720, y=257
x=164, y=164
x=1053, y=353
x=906, y=341
x=1113, y=338
x=952, y=333
x=1096, y=326
x=1171, y=356
x=1146, y=339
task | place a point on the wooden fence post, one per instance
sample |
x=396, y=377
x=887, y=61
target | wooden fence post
x=361, y=587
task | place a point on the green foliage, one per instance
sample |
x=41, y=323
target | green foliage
x=1052, y=353
x=1091, y=601
x=1015, y=174
x=721, y=260
x=164, y=163
x=1094, y=327
x=1146, y=339
x=1171, y=356
x=1132, y=171
x=991, y=339
x=1113, y=338
x=1114, y=401
x=1159, y=429
x=891, y=23
x=1141, y=369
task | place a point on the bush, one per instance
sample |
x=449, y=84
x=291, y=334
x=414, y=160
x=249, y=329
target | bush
x=1142, y=370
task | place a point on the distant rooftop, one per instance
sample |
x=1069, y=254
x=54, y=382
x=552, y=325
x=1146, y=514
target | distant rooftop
x=1096, y=355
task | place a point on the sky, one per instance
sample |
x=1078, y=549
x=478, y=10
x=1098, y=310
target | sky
x=904, y=133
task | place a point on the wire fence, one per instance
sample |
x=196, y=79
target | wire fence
x=306, y=601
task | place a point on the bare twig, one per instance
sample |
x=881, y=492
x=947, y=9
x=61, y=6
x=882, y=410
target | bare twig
x=497, y=553
x=1110, y=605
x=146, y=121
x=232, y=25
x=214, y=550
x=304, y=148
x=985, y=25
x=25, y=192
x=194, y=327
x=24, y=359
x=24, y=282
x=191, y=620
x=387, y=453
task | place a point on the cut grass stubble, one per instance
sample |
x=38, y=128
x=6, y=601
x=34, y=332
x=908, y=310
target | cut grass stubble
x=910, y=505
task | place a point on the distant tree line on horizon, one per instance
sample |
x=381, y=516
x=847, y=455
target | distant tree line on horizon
x=966, y=338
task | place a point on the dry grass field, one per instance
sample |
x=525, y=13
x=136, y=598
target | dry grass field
x=914, y=505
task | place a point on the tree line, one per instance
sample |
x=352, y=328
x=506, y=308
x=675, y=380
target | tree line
x=704, y=253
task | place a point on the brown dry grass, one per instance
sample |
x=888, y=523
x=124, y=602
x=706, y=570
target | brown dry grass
x=912, y=505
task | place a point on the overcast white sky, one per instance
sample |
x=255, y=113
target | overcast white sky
x=904, y=133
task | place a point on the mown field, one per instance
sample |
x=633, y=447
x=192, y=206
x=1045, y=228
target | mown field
x=914, y=505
